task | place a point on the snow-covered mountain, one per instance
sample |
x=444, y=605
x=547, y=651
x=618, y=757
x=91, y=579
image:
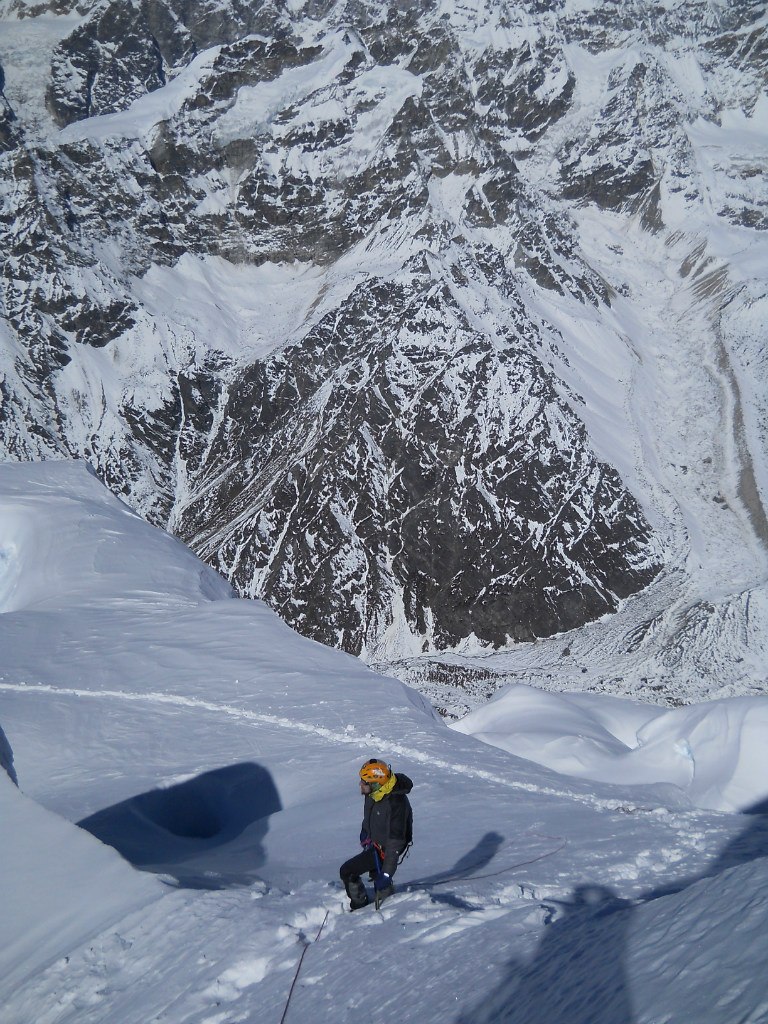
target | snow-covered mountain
x=437, y=325
x=218, y=751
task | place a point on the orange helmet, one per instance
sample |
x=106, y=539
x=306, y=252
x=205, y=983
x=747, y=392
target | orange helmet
x=375, y=772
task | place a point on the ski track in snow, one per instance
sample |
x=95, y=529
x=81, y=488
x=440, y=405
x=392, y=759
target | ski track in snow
x=348, y=735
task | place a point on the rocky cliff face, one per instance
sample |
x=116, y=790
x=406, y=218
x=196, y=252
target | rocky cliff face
x=318, y=286
x=413, y=470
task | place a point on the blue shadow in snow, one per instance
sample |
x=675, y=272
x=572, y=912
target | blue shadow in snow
x=187, y=831
x=577, y=975
x=748, y=845
x=481, y=854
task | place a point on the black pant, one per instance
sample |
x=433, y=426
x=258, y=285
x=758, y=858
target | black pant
x=351, y=869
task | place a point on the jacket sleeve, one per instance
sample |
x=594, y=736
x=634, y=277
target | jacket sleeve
x=366, y=825
x=396, y=842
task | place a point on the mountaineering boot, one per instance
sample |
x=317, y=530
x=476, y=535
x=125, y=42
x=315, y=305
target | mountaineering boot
x=358, y=895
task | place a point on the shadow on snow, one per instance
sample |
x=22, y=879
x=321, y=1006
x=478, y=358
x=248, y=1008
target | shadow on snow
x=577, y=974
x=481, y=854
x=187, y=831
x=748, y=845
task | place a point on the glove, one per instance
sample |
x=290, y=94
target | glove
x=365, y=839
x=382, y=881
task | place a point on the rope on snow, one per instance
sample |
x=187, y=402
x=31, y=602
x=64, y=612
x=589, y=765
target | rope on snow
x=413, y=885
x=298, y=967
x=427, y=884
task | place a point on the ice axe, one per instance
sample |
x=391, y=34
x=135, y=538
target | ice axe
x=376, y=892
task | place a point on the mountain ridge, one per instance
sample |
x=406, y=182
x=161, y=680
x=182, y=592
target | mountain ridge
x=429, y=214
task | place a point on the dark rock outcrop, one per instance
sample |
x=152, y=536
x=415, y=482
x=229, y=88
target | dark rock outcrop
x=406, y=464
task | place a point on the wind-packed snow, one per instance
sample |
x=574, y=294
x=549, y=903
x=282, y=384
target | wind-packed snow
x=716, y=752
x=219, y=751
x=53, y=561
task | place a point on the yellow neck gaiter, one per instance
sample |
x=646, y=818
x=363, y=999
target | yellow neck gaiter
x=388, y=786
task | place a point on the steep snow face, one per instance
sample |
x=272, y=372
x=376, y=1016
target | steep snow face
x=434, y=326
x=45, y=549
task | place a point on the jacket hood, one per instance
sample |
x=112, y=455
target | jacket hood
x=403, y=784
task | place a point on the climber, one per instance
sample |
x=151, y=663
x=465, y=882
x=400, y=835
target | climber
x=385, y=836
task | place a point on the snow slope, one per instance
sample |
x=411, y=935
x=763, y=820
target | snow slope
x=219, y=751
x=60, y=886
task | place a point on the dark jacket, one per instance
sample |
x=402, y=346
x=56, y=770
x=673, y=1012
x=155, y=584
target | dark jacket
x=389, y=821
